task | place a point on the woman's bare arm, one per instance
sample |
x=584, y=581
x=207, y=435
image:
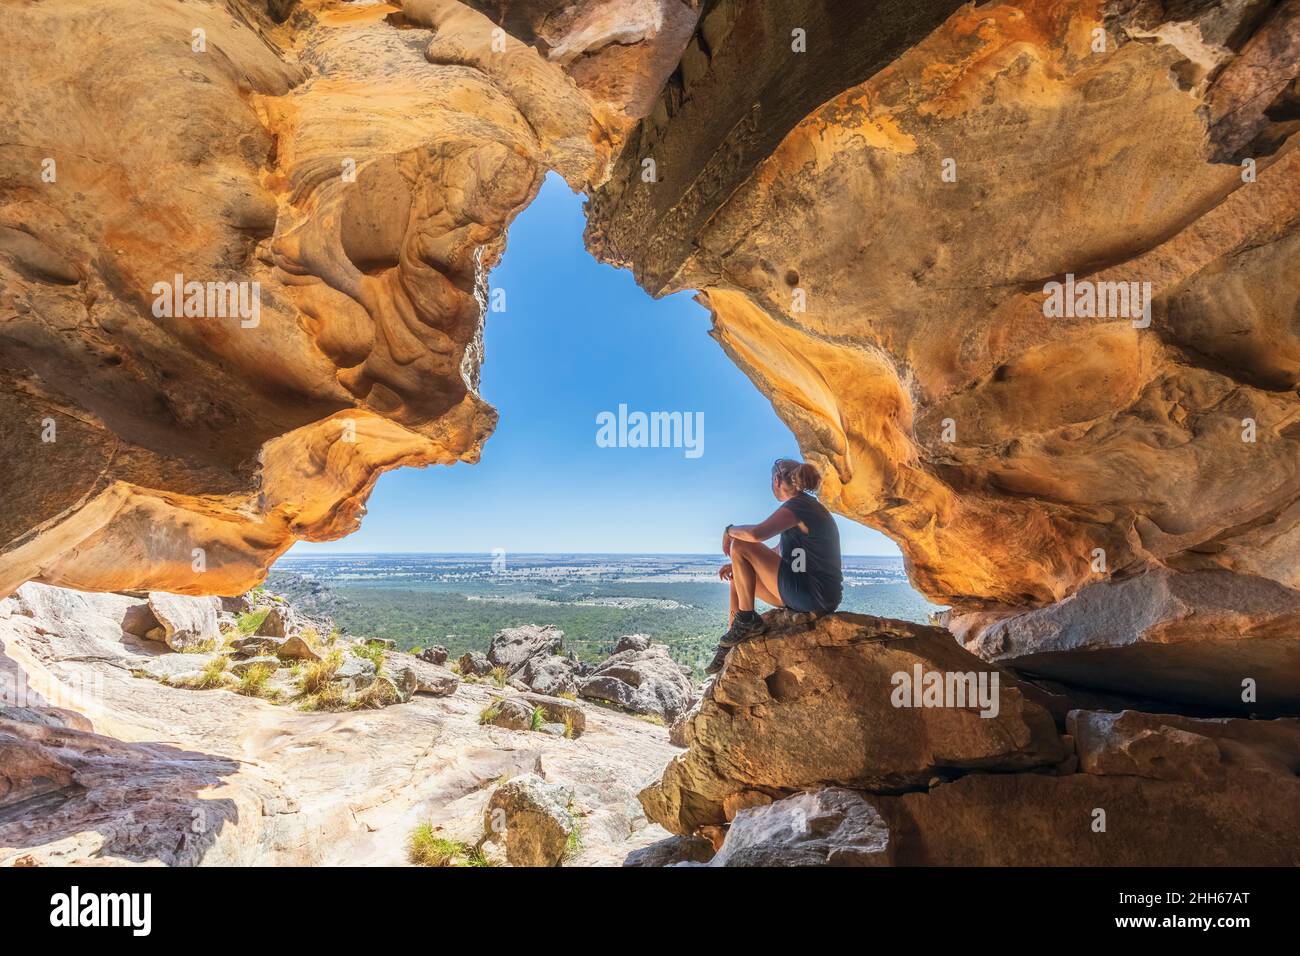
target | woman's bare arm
x=782, y=519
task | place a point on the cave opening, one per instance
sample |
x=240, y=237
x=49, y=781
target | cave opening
x=561, y=509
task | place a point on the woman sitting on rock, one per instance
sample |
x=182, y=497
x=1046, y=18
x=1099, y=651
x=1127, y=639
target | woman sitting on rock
x=802, y=575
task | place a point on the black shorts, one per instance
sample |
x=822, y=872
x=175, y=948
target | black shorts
x=803, y=593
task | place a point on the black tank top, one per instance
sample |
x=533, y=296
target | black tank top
x=821, y=548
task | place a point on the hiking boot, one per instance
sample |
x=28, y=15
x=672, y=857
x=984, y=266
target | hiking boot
x=719, y=658
x=743, y=627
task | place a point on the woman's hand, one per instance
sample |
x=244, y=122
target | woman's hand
x=724, y=572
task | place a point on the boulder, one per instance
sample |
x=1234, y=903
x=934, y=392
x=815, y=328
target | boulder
x=550, y=674
x=474, y=664
x=1191, y=637
x=429, y=678
x=645, y=681
x=1250, y=818
x=236, y=604
x=356, y=672
x=531, y=816
x=509, y=712
x=677, y=729
x=284, y=619
x=558, y=710
x=829, y=827
x=401, y=678
x=296, y=648
x=278, y=622
x=800, y=710
x=1168, y=747
x=632, y=642
x=254, y=645
x=671, y=850
x=437, y=654
x=97, y=617
x=513, y=647
x=185, y=621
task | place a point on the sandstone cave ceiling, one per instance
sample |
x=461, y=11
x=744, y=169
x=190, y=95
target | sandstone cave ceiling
x=874, y=235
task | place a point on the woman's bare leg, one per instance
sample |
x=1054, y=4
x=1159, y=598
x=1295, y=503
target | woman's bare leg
x=754, y=573
x=731, y=614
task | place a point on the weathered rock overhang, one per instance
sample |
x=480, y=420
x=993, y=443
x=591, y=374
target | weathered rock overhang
x=881, y=271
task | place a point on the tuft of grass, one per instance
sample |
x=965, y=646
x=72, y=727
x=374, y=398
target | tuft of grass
x=315, y=676
x=570, y=730
x=573, y=845
x=380, y=693
x=454, y=667
x=567, y=695
x=425, y=848
x=203, y=647
x=538, y=718
x=474, y=856
x=248, y=622
x=499, y=675
x=417, y=650
x=212, y=673
x=489, y=713
x=252, y=683
x=330, y=697
x=651, y=719
x=370, y=652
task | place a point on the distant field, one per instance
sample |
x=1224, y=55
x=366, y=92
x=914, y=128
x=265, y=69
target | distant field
x=460, y=601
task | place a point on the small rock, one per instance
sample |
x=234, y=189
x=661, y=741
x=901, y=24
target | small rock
x=673, y=850
x=511, y=713
x=641, y=681
x=555, y=730
x=356, y=672
x=402, y=678
x=532, y=818
x=550, y=674
x=239, y=604
x=430, y=678
x=437, y=654
x=474, y=664
x=632, y=642
x=253, y=645
x=830, y=827
x=186, y=621
x=296, y=649
x=514, y=647
x=239, y=667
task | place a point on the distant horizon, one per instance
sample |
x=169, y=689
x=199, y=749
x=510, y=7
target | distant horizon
x=569, y=344
x=635, y=554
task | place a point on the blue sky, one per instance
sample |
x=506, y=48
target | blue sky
x=579, y=338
